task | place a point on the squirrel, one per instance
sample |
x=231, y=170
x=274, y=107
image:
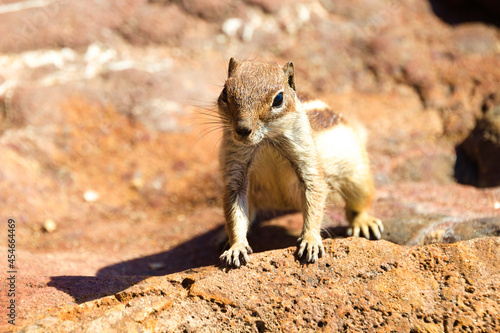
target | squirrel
x=280, y=153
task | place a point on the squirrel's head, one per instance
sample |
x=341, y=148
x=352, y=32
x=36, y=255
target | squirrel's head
x=255, y=98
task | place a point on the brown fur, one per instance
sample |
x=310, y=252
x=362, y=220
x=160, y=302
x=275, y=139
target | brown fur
x=323, y=119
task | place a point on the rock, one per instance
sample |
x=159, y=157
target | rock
x=156, y=24
x=119, y=98
x=270, y=6
x=159, y=114
x=475, y=39
x=432, y=229
x=137, y=181
x=90, y=196
x=357, y=285
x=156, y=265
x=211, y=10
x=56, y=23
x=438, y=167
x=49, y=225
x=479, y=163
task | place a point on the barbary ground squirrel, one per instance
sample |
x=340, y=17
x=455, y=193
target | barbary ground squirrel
x=279, y=154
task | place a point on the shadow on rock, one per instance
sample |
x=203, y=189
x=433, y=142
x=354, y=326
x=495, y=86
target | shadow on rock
x=199, y=251
x=88, y=288
x=478, y=156
x=456, y=12
x=203, y=250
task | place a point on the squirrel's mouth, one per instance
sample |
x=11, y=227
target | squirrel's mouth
x=251, y=139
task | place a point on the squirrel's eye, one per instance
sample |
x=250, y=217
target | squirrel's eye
x=223, y=95
x=278, y=100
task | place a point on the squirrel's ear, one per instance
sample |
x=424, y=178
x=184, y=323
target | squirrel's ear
x=288, y=69
x=232, y=66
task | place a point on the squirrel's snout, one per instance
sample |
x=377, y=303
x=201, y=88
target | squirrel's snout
x=247, y=132
x=243, y=129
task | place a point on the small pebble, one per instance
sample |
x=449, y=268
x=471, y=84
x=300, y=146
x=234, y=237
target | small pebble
x=49, y=225
x=91, y=196
x=137, y=183
x=156, y=265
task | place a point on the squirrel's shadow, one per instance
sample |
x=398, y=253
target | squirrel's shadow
x=200, y=251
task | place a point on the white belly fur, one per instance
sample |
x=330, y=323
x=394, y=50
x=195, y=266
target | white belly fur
x=273, y=183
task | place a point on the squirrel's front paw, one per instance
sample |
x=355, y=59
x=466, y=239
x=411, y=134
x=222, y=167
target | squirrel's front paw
x=237, y=252
x=364, y=223
x=310, y=248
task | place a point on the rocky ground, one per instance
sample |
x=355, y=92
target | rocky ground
x=109, y=165
x=358, y=286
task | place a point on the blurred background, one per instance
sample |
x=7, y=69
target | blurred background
x=109, y=165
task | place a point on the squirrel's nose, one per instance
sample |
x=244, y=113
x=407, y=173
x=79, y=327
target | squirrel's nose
x=243, y=129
